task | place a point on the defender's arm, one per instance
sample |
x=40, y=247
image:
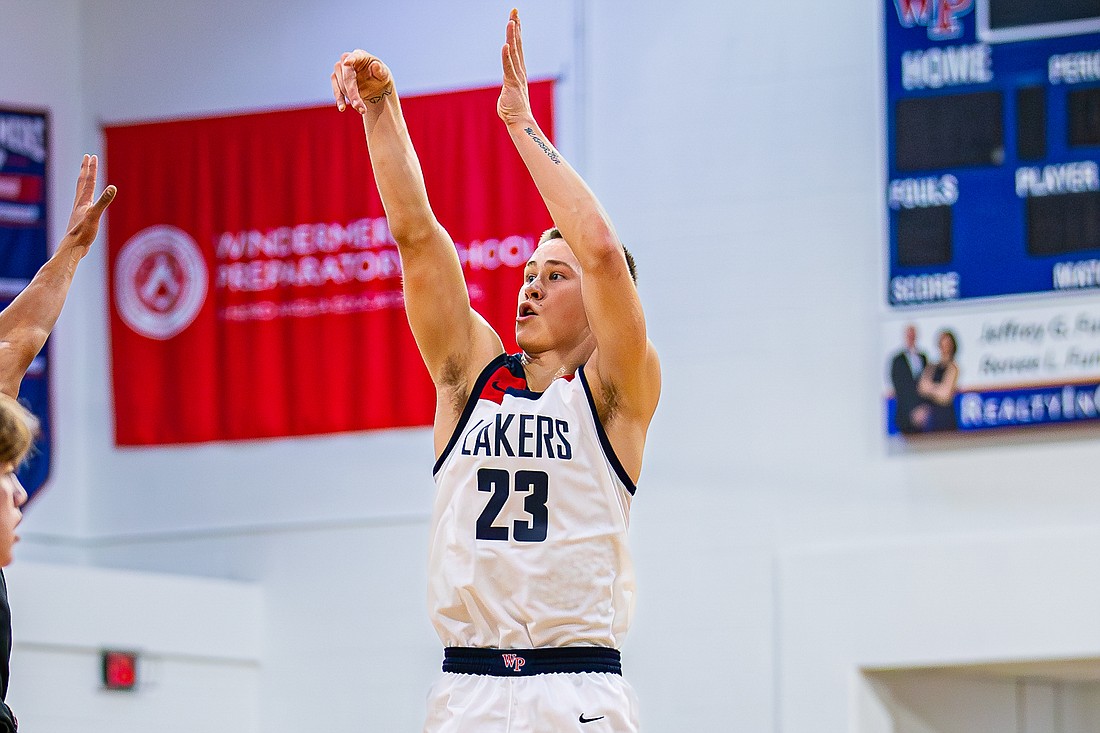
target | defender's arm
x=27, y=321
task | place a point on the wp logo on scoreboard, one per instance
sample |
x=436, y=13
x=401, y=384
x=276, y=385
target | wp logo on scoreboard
x=941, y=17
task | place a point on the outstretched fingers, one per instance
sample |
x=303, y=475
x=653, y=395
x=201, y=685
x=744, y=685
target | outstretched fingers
x=337, y=87
x=519, y=41
x=513, y=103
x=85, y=182
x=84, y=220
x=507, y=65
x=517, y=63
x=348, y=76
x=345, y=87
x=515, y=50
x=104, y=201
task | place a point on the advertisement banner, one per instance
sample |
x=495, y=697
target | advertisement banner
x=1029, y=365
x=24, y=249
x=255, y=287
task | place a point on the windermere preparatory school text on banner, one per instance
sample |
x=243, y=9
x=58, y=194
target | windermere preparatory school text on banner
x=255, y=287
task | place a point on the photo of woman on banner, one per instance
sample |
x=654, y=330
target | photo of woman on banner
x=25, y=325
x=937, y=387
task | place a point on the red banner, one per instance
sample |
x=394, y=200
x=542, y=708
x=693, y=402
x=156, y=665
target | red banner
x=255, y=288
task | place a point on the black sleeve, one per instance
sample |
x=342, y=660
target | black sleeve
x=8, y=723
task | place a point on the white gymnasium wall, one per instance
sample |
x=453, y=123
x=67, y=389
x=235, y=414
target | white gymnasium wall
x=198, y=640
x=739, y=149
x=959, y=701
x=911, y=603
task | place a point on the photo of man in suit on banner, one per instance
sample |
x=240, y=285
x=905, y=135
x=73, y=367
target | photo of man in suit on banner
x=905, y=371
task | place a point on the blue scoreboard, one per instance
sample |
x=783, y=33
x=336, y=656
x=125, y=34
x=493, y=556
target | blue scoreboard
x=993, y=148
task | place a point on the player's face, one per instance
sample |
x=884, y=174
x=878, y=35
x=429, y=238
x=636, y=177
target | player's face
x=551, y=313
x=12, y=496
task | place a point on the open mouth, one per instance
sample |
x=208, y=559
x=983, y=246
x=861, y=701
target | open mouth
x=526, y=309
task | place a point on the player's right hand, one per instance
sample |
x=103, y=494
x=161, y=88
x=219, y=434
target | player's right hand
x=359, y=79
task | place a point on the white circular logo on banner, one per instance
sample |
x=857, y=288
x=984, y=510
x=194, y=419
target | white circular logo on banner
x=160, y=281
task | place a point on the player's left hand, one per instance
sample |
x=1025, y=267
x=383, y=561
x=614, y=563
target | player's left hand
x=514, y=105
x=84, y=221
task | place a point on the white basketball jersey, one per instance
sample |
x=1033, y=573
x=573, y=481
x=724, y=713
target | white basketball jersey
x=529, y=533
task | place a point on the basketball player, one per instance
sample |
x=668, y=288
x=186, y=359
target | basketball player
x=531, y=585
x=24, y=326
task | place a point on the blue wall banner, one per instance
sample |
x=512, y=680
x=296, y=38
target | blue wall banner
x=993, y=148
x=1029, y=365
x=23, y=249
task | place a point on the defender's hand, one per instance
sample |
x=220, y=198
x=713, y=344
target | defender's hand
x=358, y=79
x=514, y=105
x=84, y=221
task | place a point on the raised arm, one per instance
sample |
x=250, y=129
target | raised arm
x=27, y=321
x=453, y=339
x=624, y=363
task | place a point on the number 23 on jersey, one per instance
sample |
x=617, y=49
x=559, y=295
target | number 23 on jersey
x=499, y=484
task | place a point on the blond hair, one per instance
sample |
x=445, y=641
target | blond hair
x=18, y=429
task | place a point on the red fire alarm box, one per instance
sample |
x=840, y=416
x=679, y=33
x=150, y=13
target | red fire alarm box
x=120, y=670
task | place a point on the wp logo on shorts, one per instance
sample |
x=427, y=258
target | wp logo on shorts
x=160, y=281
x=513, y=662
x=941, y=17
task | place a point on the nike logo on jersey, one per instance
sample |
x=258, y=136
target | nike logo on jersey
x=589, y=720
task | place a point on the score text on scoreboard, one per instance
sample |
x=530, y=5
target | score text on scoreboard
x=993, y=148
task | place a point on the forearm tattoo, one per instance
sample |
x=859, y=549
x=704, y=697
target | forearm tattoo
x=378, y=97
x=550, y=152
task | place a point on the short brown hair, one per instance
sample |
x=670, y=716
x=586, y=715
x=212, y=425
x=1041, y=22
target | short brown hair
x=555, y=233
x=18, y=429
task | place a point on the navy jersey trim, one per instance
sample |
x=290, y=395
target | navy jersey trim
x=471, y=402
x=527, y=662
x=604, y=442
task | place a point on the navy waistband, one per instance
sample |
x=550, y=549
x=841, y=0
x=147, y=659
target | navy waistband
x=525, y=662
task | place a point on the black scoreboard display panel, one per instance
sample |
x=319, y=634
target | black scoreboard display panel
x=993, y=148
